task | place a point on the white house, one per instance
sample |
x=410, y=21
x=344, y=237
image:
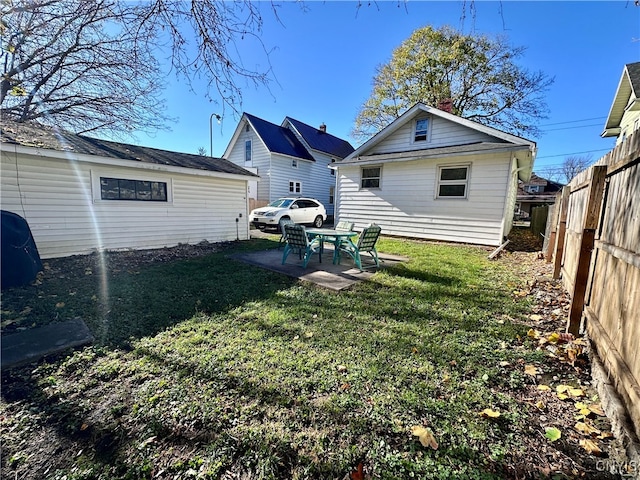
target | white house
x=80, y=194
x=434, y=175
x=624, y=116
x=292, y=159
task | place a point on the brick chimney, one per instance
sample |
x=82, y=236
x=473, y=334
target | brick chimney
x=323, y=128
x=446, y=105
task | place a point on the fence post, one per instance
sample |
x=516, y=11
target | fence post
x=561, y=231
x=589, y=226
x=550, y=233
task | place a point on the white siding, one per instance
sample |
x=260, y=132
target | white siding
x=405, y=204
x=510, y=203
x=60, y=199
x=629, y=123
x=443, y=133
x=260, y=159
x=321, y=180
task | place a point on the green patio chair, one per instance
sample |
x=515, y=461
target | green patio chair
x=346, y=226
x=283, y=237
x=296, y=239
x=366, y=244
x=341, y=226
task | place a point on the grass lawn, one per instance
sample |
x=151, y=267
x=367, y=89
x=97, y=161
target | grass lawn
x=210, y=368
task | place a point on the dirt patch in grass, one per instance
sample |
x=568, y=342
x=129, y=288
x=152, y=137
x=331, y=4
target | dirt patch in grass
x=109, y=413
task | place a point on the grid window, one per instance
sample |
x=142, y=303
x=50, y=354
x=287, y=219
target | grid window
x=295, y=187
x=453, y=181
x=370, y=177
x=141, y=190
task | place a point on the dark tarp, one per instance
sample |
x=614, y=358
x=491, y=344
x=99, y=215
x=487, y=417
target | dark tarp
x=20, y=259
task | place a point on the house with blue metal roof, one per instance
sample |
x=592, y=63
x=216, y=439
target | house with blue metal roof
x=291, y=159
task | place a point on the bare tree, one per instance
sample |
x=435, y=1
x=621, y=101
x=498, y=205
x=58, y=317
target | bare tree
x=573, y=165
x=569, y=168
x=216, y=26
x=92, y=66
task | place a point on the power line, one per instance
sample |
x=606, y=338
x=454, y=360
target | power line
x=571, y=121
x=569, y=128
x=575, y=153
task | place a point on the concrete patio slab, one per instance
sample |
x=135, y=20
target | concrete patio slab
x=325, y=273
x=33, y=344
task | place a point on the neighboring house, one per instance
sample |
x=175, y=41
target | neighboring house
x=431, y=174
x=536, y=192
x=624, y=116
x=292, y=159
x=81, y=194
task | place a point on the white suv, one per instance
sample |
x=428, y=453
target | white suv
x=300, y=210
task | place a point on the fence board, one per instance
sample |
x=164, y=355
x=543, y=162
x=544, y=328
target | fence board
x=611, y=285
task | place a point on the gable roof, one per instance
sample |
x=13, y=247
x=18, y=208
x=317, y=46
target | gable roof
x=321, y=140
x=419, y=108
x=278, y=139
x=38, y=136
x=627, y=97
x=504, y=141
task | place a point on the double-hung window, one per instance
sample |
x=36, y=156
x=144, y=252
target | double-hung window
x=370, y=177
x=421, y=130
x=453, y=181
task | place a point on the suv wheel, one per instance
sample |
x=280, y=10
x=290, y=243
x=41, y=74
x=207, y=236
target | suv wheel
x=318, y=222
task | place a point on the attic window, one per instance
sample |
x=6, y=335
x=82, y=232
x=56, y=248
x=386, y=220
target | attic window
x=246, y=127
x=453, y=181
x=294, y=163
x=421, y=130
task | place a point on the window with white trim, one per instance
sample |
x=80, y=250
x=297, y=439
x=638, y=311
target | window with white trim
x=370, y=177
x=453, y=181
x=421, y=130
x=295, y=187
x=247, y=151
x=332, y=191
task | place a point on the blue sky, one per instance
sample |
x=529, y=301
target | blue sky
x=324, y=56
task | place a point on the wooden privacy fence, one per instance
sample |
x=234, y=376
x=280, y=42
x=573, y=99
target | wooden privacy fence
x=596, y=247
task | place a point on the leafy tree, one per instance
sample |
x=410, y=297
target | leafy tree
x=478, y=74
x=92, y=66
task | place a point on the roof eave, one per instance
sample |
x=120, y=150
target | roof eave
x=421, y=154
x=117, y=162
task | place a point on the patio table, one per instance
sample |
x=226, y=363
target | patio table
x=324, y=234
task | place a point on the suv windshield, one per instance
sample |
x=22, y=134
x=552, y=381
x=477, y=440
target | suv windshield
x=281, y=202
